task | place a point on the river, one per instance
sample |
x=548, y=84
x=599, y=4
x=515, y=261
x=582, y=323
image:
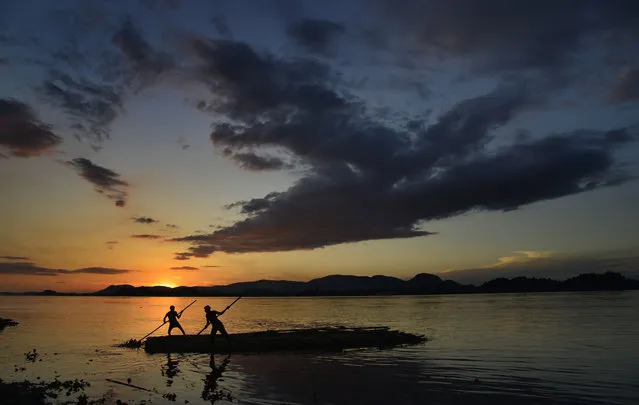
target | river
x=542, y=348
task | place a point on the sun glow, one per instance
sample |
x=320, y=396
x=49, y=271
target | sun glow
x=165, y=284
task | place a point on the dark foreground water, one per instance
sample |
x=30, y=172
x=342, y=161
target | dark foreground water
x=568, y=348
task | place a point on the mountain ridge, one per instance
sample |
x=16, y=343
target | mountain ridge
x=342, y=285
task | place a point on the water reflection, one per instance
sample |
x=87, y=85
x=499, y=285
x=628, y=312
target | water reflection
x=170, y=369
x=211, y=392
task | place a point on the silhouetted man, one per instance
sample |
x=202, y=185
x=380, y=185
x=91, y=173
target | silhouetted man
x=173, y=320
x=216, y=324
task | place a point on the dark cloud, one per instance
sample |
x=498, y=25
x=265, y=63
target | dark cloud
x=90, y=106
x=522, y=34
x=172, y=226
x=147, y=62
x=198, y=251
x=106, y=181
x=182, y=142
x=249, y=86
x=22, y=134
x=90, y=68
x=145, y=220
x=21, y=268
x=549, y=265
x=14, y=258
x=184, y=268
x=99, y=270
x=210, y=266
x=147, y=236
x=85, y=77
x=627, y=86
x=315, y=35
x=254, y=162
x=366, y=179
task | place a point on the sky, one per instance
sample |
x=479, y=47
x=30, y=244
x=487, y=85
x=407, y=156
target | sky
x=168, y=142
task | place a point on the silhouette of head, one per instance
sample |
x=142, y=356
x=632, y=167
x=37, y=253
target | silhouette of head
x=207, y=308
x=172, y=307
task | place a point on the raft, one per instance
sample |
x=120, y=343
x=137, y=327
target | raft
x=316, y=339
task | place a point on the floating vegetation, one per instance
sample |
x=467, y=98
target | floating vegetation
x=131, y=343
x=7, y=322
x=31, y=356
x=40, y=393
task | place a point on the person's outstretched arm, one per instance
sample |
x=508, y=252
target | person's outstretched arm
x=164, y=319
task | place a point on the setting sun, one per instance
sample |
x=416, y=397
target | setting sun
x=165, y=284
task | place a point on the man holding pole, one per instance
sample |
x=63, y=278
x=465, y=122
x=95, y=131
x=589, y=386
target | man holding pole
x=216, y=324
x=173, y=319
x=213, y=320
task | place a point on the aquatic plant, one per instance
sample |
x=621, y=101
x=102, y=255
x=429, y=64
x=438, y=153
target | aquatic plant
x=31, y=356
x=131, y=343
x=7, y=322
x=38, y=393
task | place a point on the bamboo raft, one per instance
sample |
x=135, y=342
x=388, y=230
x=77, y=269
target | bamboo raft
x=316, y=339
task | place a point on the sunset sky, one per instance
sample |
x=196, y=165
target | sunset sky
x=168, y=142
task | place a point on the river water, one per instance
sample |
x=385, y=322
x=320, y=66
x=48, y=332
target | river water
x=545, y=348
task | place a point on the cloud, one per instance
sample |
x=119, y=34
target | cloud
x=210, y=266
x=146, y=236
x=549, y=265
x=148, y=63
x=144, y=220
x=524, y=34
x=254, y=162
x=367, y=179
x=22, y=134
x=627, y=86
x=14, y=258
x=106, y=182
x=184, y=268
x=90, y=106
x=90, y=69
x=172, y=226
x=30, y=269
x=249, y=86
x=110, y=244
x=99, y=270
x=314, y=35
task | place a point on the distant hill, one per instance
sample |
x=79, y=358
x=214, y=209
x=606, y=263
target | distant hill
x=383, y=285
x=376, y=285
